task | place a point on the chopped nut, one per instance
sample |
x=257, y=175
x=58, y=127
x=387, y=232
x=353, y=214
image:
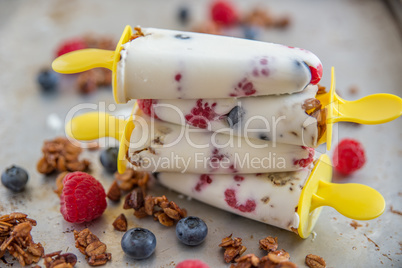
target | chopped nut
x=355, y=224
x=95, y=248
x=114, y=192
x=278, y=256
x=120, y=223
x=57, y=260
x=132, y=178
x=165, y=220
x=149, y=205
x=269, y=243
x=249, y=259
x=314, y=261
x=233, y=248
x=134, y=200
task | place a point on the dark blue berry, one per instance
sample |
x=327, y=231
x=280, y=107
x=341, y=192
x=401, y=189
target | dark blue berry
x=108, y=159
x=138, y=243
x=234, y=116
x=251, y=32
x=48, y=80
x=14, y=178
x=263, y=137
x=191, y=231
x=183, y=15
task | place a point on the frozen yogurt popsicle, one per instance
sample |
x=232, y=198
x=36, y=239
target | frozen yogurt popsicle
x=271, y=198
x=297, y=118
x=158, y=146
x=167, y=64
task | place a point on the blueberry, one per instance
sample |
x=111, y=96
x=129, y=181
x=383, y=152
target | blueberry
x=263, y=137
x=234, y=116
x=14, y=178
x=48, y=80
x=251, y=32
x=191, y=231
x=182, y=36
x=183, y=15
x=108, y=159
x=138, y=243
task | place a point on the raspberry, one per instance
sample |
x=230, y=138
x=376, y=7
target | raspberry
x=316, y=74
x=192, y=264
x=201, y=114
x=71, y=45
x=83, y=198
x=348, y=156
x=146, y=106
x=231, y=200
x=304, y=162
x=245, y=87
x=204, y=179
x=223, y=13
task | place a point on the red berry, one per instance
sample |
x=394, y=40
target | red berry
x=192, y=264
x=348, y=156
x=223, y=13
x=146, y=105
x=304, y=162
x=83, y=198
x=231, y=200
x=71, y=45
x=316, y=74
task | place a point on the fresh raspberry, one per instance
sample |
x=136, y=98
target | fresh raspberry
x=71, y=45
x=146, y=105
x=304, y=162
x=348, y=156
x=83, y=198
x=192, y=264
x=224, y=13
x=316, y=74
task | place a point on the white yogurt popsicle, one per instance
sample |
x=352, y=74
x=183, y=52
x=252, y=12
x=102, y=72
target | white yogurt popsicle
x=167, y=64
x=158, y=146
x=280, y=118
x=271, y=198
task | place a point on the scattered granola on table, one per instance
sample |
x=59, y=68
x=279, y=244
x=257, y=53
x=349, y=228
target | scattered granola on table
x=93, y=249
x=168, y=213
x=16, y=239
x=269, y=243
x=131, y=179
x=59, y=183
x=61, y=155
x=58, y=260
x=314, y=261
x=233, y=248
x=120, y=223
x=114, y=192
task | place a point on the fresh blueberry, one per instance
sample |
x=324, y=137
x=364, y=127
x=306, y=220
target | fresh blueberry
x=191, y=231
x=138, y=243
x=234, y=116
x=183, y=15
x=48, y=80
x=251, y=32
x=108, y=159
x=14, y=178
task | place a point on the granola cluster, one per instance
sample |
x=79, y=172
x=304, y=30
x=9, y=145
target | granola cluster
x=233, y=248
x=127, y=182
x=58, y=260
x=61, y=155
x=93, y=249
x=120, y=223
x=168, y=213
x=274, y=258
x=16, y=239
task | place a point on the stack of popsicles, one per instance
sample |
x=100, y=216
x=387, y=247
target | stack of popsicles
x=230, y=122
x=227, y=121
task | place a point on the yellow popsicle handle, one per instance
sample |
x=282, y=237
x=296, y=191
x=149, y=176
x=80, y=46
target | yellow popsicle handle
x=372, y=109
x=83, y=60
x=355, y=201
x=95, y=125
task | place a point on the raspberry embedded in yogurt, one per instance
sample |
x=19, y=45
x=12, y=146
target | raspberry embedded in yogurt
x=146, y=105
x=316, y=74
x=201, y=114
x=304, y=162
x=231, y=200
x=204, y=180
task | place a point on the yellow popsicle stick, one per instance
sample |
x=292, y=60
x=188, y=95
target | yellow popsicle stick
x=95, y=125
x=85, y=59
x=355, y=201
x=372, y=109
